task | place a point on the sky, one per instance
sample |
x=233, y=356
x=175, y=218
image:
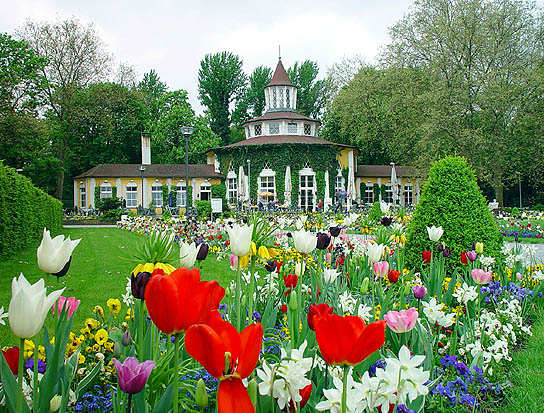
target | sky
x=172, y=37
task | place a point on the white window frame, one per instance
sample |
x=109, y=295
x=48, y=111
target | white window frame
x=309, y=126
x=389, y=192
x=290, y=128
x=340, y=184
x=106, y=190
x=267, y=183
x=156, y=194
x=232, y=186
x=272, y=127
x=369, y=193
x=260, y=126
x=132, y=203
x=83, y=196
x=205, y=188
x=307, y=174
x=181, y=194
x=408, y=194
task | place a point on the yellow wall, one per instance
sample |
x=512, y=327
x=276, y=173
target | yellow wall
x=342, y=157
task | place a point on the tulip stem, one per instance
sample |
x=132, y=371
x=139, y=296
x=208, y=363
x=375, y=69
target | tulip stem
x=20, y=375
x=141, y=327
x=176, y=372
x=345, y=389
x=251, y=290
x=35, y=401
x=238, y=298
x=129, y=403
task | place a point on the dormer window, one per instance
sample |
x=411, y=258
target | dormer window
x=292, y=127
x=274, y=128
x=307, y=129
x=258, y=130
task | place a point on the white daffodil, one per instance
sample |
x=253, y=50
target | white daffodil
x=375, y=252
x=329, y=275
x=2, y=316
x=384, y=206
x=435, y=233
x=464, y=293
x=187, y=254
x=305, y=242
x=240, y=238
x=333, y=396
x=29, y=306
x=364, y=311
x=54, y=254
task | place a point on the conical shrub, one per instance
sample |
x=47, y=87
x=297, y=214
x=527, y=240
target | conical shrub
x=451, y=199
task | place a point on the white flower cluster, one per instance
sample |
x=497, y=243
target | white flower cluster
x=434, y=313
x=487, y=262
x=128, y=298
x=359, y=247
x=401, y=381
x=465, y=294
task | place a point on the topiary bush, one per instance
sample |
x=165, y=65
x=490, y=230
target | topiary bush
x=451, y=199
x=24, y=212
x=375, y=212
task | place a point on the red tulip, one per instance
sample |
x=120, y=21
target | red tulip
x=464, y=258
x=12, y=358
x=227, y=355
x=347, y=340
x=393, y=276
x=177, y=301
x=305, y=392
x=426, y=255
x=283, y=308
x=290, y=281
x=317, y=310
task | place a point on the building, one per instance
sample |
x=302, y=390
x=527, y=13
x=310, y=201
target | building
x=282, y=160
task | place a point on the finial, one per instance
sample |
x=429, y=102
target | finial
x=279, y=51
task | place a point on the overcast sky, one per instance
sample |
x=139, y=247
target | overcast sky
x=172, y=37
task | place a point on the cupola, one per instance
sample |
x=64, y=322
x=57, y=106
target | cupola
x=280, y=94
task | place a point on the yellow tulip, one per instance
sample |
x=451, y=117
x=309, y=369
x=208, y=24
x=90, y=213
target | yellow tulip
x=253, y=248
x=263, y=253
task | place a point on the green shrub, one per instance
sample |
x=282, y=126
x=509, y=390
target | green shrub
x=514, y=211
x=112, y=215
x=106, y=204
x=375, y=212
x=132, y=214
x=203, y=209
x=538, y=207
x=451, y=199
x=166, y=214
x=24, y=212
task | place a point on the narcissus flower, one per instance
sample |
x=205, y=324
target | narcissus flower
x=227, y=355
x=132, y=374
x=348, y=340
x=54, y=254
x=178, y=300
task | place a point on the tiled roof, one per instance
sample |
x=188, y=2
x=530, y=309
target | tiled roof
x=280, y=116
x=280, y=77
x=283, y=139
x=384, y=171
x=154, y=170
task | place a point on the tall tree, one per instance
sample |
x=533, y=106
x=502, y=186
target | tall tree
x=311, y=94
x=77, y=58
x=482, y=53
x=152, y=90
x=221, y=82
x=252, y=103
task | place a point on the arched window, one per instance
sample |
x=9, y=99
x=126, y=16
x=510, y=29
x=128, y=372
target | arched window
x=267, y=184
x=105, y=190
x=156, y=193
x=205, y=191
x=340, y=184
x=408, y=194
x=181, y=194
x=132, y=195
x=82, y=195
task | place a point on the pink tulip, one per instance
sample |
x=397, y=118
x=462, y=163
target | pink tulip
x=519, y=277
x=381, y=268
x=328, y=257
x=401, y=321
x=233, y=261
x=70, y=303
x=481, y=277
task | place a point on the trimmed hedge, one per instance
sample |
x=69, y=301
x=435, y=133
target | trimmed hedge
x=452, y=199
x=24, y=212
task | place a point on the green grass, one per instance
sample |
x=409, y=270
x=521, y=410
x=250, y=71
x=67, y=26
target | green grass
x=527, y=374
x=523, y=240
x=99, y=270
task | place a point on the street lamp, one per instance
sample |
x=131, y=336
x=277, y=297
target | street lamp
x=519, y=176
x=248, y=182
x=142, y=170
x=187, y=131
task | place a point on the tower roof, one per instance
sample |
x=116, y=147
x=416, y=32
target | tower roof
x=280, y=77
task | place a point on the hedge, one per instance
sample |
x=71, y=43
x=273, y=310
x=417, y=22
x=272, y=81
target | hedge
x=24, y=212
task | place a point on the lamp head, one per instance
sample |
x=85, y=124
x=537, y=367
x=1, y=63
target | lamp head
x=186, y=130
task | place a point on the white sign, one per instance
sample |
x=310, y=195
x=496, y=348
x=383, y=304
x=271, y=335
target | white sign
x=217, y=205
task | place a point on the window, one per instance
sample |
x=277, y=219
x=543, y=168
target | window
x=132, y=195
x=156, y=194
x=232, y=189
x=181, y=194
x=281, y=98
x=274, y=128
x=274, y=104
x=369, y=193
x=258, y=129
x=408, y=194
x=267, y=188
x=339, y=183
x=105, y=190
x=82, y=197
x=307, y=129
x=205, y=191
x=287, y=98
x=388, y=192
x=307, y=192
x=291, y=127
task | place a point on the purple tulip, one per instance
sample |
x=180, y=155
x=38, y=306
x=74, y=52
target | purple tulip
x=323, y=240
x=335, y=231
x=471, y=255
x=138, y=283
x=132, y=374
x=419, y=291
x=446, y=253
x=440, y=248
x=202, y=252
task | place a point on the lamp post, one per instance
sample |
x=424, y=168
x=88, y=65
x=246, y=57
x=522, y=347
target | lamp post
x=519, y=176
x=142, y=170
x=187, y=131
x=248, y=180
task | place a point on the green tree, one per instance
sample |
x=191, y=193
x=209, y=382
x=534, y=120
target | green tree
x=221, y=82
x=251, y=105
x=152, y=90
x=311, y=94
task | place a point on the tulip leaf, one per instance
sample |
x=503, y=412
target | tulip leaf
x=165, y=401
x=87, y=380
x=10, y=386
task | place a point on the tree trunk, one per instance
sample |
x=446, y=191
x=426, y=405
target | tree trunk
x=499, y=193
x=60, y=176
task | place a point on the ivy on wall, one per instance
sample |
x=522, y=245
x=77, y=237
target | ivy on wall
x=320, y=185
x=164, y=189
x=96, y=196
x=114, y=191
x=376, y=192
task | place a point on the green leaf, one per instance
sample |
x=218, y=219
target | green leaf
x=10, y=386
x=165, y=401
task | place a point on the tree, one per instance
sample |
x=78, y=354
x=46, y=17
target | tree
x=251, y=105
x=77, y=58
x=152, y=89
x=311, y=94
x=221, y=81
x=341, y=73
x=483, y=54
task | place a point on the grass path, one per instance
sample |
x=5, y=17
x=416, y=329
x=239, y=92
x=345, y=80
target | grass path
x=98, y=271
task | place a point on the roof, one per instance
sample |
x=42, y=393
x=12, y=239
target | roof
x=154, y=170
x=280, y=77
x=281, y=116
x=284, y=139
x=384, y=171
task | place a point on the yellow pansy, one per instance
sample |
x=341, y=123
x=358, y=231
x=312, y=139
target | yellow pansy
x=29, y=348
x=114, y=305
x=109, y=346
x=98, y=310
x=91, y=323
x=101, y=336
x=81, y=358
x=130, y=314
x=97, y=347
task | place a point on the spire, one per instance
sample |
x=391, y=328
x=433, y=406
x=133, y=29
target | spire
x=280, y=77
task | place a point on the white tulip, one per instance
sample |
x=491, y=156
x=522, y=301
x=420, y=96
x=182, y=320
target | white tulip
x=434, y=233
x=29, y=306
x=353, y=217
x=329, y=275
x=305, y=242
x=384, y=206
x=347, y=221
x=300, y=267
x=303, y=218
x=375, y=252
x=53, y=254
x=299, y=224
x=187, y=254
x=240, y=239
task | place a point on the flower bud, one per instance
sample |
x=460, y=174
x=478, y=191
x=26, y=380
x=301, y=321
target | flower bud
x=446, y=253
x=407, y=290
x=202, y=252
x=252, y=391
x=55, y=403
x=116, y=349
x=293, y=301
x=364, y=286
x=201, y=395
x=126, y=339
x=479, y=247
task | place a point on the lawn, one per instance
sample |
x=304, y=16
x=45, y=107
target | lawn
x=99, y=270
